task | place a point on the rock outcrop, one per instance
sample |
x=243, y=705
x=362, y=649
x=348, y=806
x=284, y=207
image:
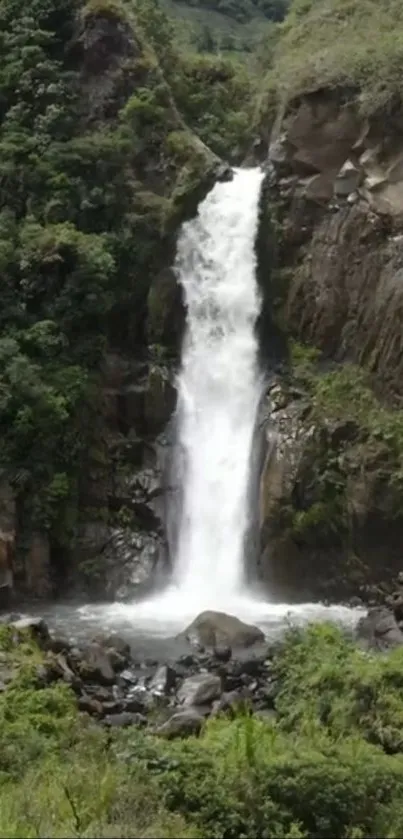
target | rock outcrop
x=330, y=502
x=330, y=499
x=339, y=186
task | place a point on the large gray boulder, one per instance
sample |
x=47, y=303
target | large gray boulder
x=379, y=630
x=201, y=689
x=212, y=629
x=182, y=724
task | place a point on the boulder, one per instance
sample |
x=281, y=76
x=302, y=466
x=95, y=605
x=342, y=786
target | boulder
x=124, y=719
x=95, y=665
x=34, y=626
x=90, y=705
x=182, y=724
x=201, y=689
x=58, y=668
x=379, y=629
x=113, y=642
x=395, y=601
x=230, y=701
x=58, y=644
x=212, y=629
x=127, y=677
x=222, y=652
x=163, y=680
x=137, y=701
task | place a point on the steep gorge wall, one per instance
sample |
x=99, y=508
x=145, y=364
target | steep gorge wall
x=331, y=496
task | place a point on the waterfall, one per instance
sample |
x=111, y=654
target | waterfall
x=218, y=388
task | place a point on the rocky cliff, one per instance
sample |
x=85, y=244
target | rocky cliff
x=331, y=493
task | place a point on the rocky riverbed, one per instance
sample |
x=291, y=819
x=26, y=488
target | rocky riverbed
x=216, y=665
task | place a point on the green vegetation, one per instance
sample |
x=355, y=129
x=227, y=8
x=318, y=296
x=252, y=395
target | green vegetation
x=234, y=27
x=246, y=10
x=345, y=394
x=357, y=438
x=357, y=46
x=99, y=163
x=328, y=763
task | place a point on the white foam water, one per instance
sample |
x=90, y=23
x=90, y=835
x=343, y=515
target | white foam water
x=219, y=387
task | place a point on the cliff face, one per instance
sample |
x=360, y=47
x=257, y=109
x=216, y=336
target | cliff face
x=331, y=491
x=341, y=180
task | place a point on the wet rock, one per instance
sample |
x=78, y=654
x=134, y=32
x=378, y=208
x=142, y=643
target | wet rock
x=103, y=694
x=58, y=668
x=36, y=627
x=187, y=660
x=163, y=681
x=138, y=701
x=58, y=644
x=124, y=720
x=113, y=706
x=182, y=724
x=114, y=642
x=90, y=705
x=118, y=662
x=379, y=629
x=96, y=666
x=200, y=689
x=222, y=652
x=213, y=629
x=230, y=701
x=254, y=666
x=127, y=677
x=395, y=602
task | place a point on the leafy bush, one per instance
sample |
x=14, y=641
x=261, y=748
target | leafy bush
x=352, y=433
x=330, y=764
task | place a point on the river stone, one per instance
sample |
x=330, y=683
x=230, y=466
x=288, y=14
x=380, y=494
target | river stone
x=96, y=666
x=182, y=724
x=90, y=705
x=379, y=629
x=113, y=642
x=163, y=680
x=124, y=719
x=230, y=701
x=200, y=689
x=222, y=652
x=35, y=626
x=215, y=629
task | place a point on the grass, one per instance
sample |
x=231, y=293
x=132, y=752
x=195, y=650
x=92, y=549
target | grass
x=356, y=439
x=345, y=394
x=330, y=764
x=353, y=44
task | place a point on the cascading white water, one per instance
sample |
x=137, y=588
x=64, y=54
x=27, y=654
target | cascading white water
x=218, y=387
x=218, y=390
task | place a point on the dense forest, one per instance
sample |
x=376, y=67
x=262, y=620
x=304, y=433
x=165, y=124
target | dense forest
x=98, y=159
